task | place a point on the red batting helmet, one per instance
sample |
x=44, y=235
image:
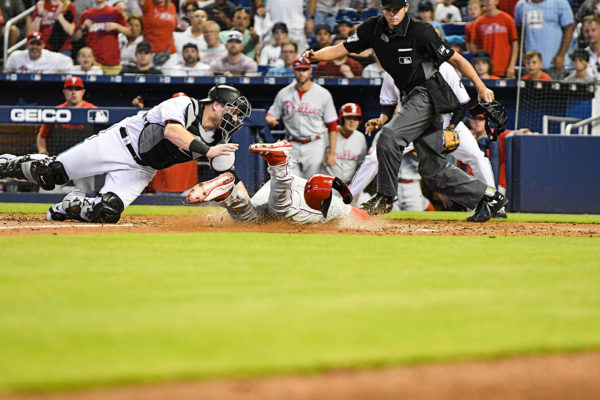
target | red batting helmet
x=349, y=110
x=179, y=94
x=317, y=192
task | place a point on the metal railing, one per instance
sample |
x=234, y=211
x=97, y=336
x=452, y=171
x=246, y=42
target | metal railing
x=583, y=123
x=563, y=123
x=7, y=27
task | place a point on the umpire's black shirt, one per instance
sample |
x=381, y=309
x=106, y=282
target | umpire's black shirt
x=411, y=53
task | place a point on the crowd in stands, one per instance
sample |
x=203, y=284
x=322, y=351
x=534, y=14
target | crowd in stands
x=247, y=37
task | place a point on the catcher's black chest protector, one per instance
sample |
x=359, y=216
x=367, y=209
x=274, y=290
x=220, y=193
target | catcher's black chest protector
x=159, y=152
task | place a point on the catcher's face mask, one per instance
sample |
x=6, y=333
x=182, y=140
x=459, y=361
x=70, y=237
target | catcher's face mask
x=495, y=117
x=234, y=114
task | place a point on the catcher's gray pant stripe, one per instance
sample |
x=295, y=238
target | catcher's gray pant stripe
x=417, y=122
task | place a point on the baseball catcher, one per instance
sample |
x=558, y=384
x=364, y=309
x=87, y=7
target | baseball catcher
x=130, y=152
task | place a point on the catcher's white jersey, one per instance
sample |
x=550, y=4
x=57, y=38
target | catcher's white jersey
x=304, y=117
x=107, y=153
x=349, y=154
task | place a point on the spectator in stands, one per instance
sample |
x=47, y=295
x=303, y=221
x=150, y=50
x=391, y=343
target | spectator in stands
x=221, y=11
x=102, y=24
x=351, y=145
x=235, y=63
x=587, y=8
x=321, y=12
x=445, y=12
x=241, y=22
x=344, y=67
x=591, y=32
x=214, y=49
x=270, y=54
x=456, y=43
x=191, y=64
x=534, y=65
x=55, y=19
x=160, y=21
x=358, y=5
x=475, y=10
x=185, y=17
x=323, y=36
x=345, y=27
x=483, y=64
x=307, y=111
x=581, y=60
x=37, y=60
x=123, y=6
x=291, y=13
x=289, y=51
x=425, y=12
x=549, y=29
x=56, y=138
x=85, y=61
x=143, y=61
x=128, y=42
x=193, y=34
x=497, y=32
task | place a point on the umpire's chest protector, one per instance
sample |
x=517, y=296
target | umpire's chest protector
x=410, y=53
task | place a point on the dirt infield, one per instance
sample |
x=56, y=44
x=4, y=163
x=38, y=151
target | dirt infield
x=558, y=377
x=34, y=224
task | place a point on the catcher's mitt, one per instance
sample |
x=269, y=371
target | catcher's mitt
x=495, y=117
x=451, y=141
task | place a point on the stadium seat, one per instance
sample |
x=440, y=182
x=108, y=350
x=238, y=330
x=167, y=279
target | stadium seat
x=454, y=29
x=242, y=3
x=347, y=12
x=371, y=12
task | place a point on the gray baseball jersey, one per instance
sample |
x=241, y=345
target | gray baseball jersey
x=304, y=118
x=349, y=154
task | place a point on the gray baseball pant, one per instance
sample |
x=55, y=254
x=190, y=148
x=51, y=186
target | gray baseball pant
x=418, y=122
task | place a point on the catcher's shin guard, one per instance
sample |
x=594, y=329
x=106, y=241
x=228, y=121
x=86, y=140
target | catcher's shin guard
x=108, y=210
x=36, y=168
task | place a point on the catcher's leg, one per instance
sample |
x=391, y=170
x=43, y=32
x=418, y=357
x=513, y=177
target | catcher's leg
x=469, y=153
x=36, y=168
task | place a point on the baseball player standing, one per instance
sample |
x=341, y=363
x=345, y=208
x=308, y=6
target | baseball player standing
x=411, y=52
x=130, y=152
x=286, y=196
x=307, y=111
x=351, y=145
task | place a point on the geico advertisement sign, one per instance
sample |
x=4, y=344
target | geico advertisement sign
x=39, y=115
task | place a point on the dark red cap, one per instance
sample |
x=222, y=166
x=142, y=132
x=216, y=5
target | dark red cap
x=299, y=65
x=33, y=36
x=73, y=81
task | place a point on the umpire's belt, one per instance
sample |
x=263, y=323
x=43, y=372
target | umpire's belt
x=304, y=141
x=127, y=142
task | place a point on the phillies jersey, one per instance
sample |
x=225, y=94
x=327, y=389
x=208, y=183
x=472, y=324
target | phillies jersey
x=349, y=154
x=304, y=118
x=105, y=44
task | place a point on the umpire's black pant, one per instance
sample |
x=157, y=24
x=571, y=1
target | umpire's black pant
x=418, y=122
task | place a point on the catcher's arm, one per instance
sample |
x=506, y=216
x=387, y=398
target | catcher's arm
x=184, y=139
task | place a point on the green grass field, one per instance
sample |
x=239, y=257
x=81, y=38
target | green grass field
x=95, y=310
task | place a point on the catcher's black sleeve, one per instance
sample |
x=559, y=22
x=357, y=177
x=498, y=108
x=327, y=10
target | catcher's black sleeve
x=458, y=115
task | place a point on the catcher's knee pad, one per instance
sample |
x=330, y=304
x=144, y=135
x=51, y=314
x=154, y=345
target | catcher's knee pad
x=108, y=210
x=58, y=172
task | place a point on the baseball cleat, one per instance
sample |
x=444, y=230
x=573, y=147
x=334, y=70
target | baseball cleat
x=56, y=213
x=379, y=204
x=273, y=153
x=488, y=207
x=501, y=214
x=216, y=189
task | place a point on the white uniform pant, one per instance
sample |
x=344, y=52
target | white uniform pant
x=281, y=198
x=307, y=158
x=105, y=153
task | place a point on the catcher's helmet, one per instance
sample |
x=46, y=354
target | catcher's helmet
x=495, y=117
x=237, y=108
x=349, y=110
x=317, y=192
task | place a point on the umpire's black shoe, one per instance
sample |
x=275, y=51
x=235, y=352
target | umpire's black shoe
x=379, y=204
x=488, y=207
